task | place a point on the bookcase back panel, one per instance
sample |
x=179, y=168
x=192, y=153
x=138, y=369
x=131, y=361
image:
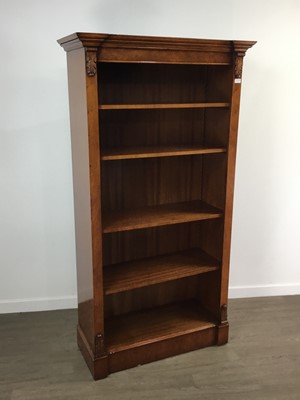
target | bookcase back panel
x=208, y=292
x=204, y=289
x=152, y=296
x=130, y=128
x=151, y=83
x=137, y=244
x=214, y=174
x=218, y=83
x=134, y=83
x=216, y=127
x=128, y=184
x=210, y=237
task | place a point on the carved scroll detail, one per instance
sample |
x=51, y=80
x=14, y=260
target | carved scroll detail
x=224, y=314
x=238, y=65
x=99, y=345
x=91, y=62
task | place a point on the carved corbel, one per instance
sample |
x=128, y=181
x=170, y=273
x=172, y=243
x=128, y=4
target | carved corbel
x=239, y=51
x=238, y=64
x=91, y=61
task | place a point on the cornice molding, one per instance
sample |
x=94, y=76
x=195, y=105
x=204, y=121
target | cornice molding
x=241, y=46
x=98, y=40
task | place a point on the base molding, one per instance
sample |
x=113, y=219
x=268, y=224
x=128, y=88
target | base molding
x=223, y=333
x=100, y=367
x=162, y=349
x=97, y=366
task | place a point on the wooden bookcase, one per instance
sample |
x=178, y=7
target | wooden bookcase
x=154, y=132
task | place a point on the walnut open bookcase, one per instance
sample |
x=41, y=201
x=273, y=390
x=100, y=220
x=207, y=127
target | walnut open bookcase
x=154, y=125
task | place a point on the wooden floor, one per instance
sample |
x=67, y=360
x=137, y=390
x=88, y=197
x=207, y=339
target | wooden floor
x=39, y=360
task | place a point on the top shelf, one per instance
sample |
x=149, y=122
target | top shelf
x=161, y=106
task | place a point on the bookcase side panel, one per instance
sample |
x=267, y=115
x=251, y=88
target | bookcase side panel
x=231, y=160
x=239, y=50
x=82, y=192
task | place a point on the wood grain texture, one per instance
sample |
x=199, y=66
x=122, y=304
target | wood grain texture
x=153, y=127
x=150, y=271
x=141, y=183
x=214, y=170
x=89, y=39
x=148, y=326
x=166, y=347
x=149, y=49
x=156, y=151
x=232, y=148
x=166, y=105
x=138, y=85
x=153, y=296
x=165, y=214
x=82, y=192
x=95, y=197
x=99, y=366
x=157, y=119
x=120, y=247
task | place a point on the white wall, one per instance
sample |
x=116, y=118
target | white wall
x=37, y=253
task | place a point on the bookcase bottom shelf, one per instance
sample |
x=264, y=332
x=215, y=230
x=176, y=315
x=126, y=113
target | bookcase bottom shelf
x=149, y=335
x=139, y=328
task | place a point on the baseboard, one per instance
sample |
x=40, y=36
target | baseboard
x=38, y=304
x=66, y=302
x=238, y=292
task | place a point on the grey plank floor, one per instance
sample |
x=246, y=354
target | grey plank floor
x=39, y=360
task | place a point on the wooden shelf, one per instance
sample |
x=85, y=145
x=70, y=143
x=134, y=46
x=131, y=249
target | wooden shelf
x=165, y=214
x=159, y=106
x=157, y=151
x=148, y=326
x=153, y=270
